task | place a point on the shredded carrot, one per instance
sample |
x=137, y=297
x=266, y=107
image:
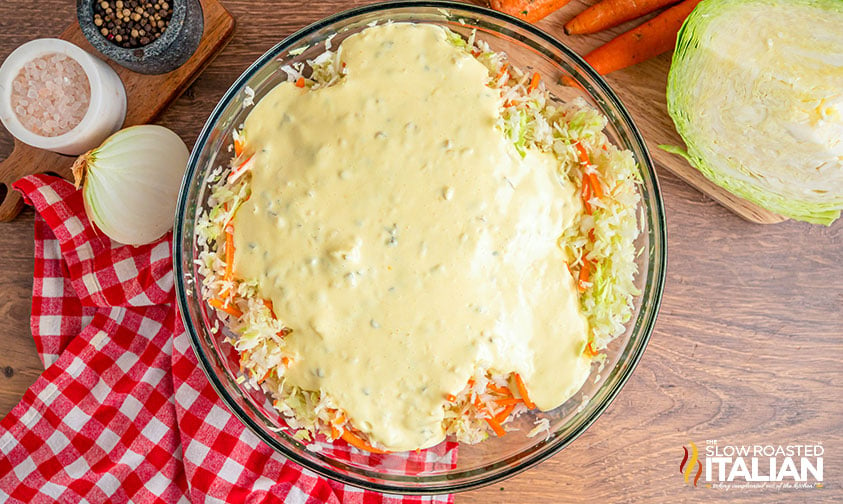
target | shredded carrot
x=496, y=426
x=585, y=194
x=229, y=254
x=506, y=401
x=228, y=308
x=523, y=391
x=300, y=82
x=268, y=304
x=593, y=181
x=357, y=442
x=582, y=154
x=534, y=82
x=503, y=415
x=451, y=397
x=265, y=376
x=500, y=390
x=240, y=170
x=238, y=147
x=504, y=71
x=590, y=351
x=585, y=274
x=335, y=433
x=569, y=268
x=595, y=185
x=591, y=235
x=285, y=361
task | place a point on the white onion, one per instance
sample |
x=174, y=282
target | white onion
x=131, y=182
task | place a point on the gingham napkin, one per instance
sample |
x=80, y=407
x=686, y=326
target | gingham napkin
x=122, y=412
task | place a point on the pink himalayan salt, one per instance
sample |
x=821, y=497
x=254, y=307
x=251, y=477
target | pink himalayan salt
x=51, y=94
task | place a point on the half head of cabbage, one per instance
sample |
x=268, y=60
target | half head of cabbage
x=756, y=92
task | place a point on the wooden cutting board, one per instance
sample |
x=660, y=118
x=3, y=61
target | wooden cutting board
x=146, y=95
x=642, y=88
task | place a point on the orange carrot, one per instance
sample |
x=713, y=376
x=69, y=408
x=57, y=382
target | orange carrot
x=496, y=426
x=591, y=178
x=268, y=304
x=528, y=10
x=500, y=390
x=590, y=351
x=503, y=415
x=523, y=391
x=596, y=188
x=357, y=442
x=534, y=82
x=652, y=38
x=240, y=170
x=300, y=82
x=503, y=71
x=451, y=398
x=507, y=401
x=609, y=13
x=265, y=376
x=229, y=254
x=585, y=274
x=585, y=194
x=228, y=308
x=583, y=154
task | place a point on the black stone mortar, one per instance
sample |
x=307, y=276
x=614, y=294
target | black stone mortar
x=175, y=46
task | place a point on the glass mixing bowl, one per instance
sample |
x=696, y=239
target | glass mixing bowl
x=495, y=458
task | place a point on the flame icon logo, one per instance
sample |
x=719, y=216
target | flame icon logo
x=687, y=465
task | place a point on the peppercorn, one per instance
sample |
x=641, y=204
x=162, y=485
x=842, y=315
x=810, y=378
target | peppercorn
x=132, y=23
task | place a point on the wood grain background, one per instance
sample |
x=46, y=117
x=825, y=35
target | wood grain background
x=748, y=347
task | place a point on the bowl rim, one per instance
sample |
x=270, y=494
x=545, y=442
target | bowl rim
x=656, y=273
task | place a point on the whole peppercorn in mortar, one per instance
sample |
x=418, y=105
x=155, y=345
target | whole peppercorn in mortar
x=132, y=23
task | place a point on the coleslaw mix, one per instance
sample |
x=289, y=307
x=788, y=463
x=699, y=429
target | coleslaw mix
x=599, y=246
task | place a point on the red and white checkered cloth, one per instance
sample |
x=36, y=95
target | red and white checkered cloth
x=123, y=413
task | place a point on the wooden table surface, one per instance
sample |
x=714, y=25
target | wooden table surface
x=748, y=348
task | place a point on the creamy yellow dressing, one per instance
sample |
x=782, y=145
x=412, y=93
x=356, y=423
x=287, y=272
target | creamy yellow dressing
x=404, y=240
